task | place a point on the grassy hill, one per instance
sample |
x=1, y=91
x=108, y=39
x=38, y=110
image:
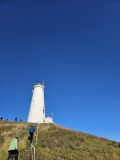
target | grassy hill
x=55, y=142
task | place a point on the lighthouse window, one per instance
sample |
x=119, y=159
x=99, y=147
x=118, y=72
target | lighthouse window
x=43, y=110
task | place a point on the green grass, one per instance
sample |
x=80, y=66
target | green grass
x=54, y=141
x=9, y=130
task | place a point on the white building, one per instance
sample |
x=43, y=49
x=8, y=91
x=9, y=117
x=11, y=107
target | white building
x=37, y=106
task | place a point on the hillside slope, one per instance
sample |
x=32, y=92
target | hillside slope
x=9, y=130
x=55, y=142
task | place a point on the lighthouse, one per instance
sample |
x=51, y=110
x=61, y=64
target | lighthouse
x=37, y=106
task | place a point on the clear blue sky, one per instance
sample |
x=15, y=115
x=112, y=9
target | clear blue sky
x=75, y=47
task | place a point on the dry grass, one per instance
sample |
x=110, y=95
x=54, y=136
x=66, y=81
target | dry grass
x=10, y=130
x=55, y=143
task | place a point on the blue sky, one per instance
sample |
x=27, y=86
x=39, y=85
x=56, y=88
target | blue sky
x=75, y=47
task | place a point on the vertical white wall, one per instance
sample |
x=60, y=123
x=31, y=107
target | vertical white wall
x=37, y=107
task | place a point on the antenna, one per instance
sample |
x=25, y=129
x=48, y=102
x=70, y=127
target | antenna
x=52, y=116
x=43, y=82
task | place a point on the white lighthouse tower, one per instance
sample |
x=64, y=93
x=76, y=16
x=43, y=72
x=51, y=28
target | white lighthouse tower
x=37, y=107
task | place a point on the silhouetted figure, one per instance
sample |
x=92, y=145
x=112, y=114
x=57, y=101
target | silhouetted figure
x=1, y=118
x=20, y=120
x=12, y=150
x=16, y=119
x=31, y=131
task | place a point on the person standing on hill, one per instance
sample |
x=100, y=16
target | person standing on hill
x=31, y=131
x=16, y=119
x=1, y=118
x=12, y=150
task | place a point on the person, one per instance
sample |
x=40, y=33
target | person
x=12, y=150
x=31, y=132
x=1, y=118
x=16, y=119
